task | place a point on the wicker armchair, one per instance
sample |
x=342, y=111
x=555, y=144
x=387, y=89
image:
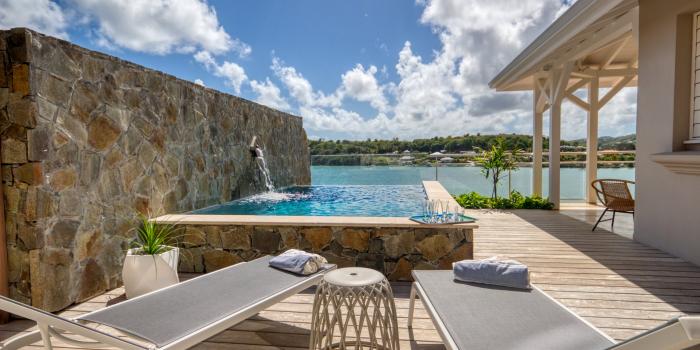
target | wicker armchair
x=615, y=196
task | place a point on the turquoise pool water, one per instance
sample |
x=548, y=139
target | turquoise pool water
x=347, y=200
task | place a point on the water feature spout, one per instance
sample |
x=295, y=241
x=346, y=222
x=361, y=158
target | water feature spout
x=257, y=153
x=253, y=147
x=262, y=165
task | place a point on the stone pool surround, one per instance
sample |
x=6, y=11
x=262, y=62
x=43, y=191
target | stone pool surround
x=391, y=245
x=89, y=140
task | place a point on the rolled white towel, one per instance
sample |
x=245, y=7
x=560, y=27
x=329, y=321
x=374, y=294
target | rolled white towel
x=495, y=271
x=298, y=261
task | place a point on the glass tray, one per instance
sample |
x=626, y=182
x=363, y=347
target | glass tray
x=463, y=220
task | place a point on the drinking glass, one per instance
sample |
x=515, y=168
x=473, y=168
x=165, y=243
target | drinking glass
x=438, y=211
x=446, y=212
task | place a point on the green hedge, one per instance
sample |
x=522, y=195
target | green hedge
x=474, y=200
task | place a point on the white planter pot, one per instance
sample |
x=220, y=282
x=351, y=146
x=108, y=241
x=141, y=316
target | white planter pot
x=146, y=273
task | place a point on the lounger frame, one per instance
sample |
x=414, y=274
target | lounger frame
x=680, y=333
x=417, y=290
x=53, y=326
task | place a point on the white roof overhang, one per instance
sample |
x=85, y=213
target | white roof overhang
x=594, y=34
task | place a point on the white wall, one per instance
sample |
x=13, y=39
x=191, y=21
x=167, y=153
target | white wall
x=668, y=204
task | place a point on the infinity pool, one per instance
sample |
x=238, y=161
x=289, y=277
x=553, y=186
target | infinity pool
x=398, y=200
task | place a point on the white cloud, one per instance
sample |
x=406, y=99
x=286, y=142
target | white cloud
x=269, y=94
x=160, y=26
x=233, y=73
x=446, y=93
x=42, y=15
x=425, y=91
x=199, y=82
x=361, y=84
x=300, y=88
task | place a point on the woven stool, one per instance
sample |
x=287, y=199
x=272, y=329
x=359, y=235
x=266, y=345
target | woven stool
x=349, y=301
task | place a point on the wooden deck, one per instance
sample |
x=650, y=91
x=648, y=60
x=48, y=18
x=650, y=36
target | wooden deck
x=619, y=285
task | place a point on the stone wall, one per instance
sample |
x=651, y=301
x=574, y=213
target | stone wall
x=89, y=140
x=392, y=251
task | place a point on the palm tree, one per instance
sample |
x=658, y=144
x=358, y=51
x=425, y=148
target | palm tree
x=496, y=162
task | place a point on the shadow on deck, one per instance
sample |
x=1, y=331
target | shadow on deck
x=619, y=285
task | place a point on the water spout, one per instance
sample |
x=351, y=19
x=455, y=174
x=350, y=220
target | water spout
x=253, y=147
x=262, y=165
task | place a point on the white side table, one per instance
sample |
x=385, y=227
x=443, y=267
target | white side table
x=351, y=300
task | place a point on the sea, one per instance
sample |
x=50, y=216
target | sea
x=461, y=179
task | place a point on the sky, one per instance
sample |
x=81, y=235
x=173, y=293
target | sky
x=352, y=69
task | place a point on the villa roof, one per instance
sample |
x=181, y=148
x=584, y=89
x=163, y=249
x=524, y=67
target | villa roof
x=596, y=34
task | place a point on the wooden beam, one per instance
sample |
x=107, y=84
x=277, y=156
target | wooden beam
x=579, y=84
x=616, y=51
x=577, y=101
x=542, y=98
x=614, y=90
x=543, y=88
x=620, y=72
x=560, y=80
x=581, y=74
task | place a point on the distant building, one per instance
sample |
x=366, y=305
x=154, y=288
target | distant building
x=406, y=160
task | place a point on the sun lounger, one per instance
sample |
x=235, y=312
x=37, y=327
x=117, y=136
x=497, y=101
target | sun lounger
x=678, y=334
x=471, y=316
x=480, y=317
x=175, y=317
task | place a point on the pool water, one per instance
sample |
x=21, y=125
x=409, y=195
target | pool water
x=346, y=200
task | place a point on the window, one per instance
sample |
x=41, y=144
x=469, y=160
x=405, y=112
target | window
x=695, y=89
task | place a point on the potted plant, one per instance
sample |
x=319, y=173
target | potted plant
x=151, y=263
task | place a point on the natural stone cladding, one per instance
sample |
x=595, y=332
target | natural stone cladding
x=88, y=140
x=392, y=251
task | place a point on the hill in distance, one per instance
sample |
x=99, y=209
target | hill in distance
x=456, y=144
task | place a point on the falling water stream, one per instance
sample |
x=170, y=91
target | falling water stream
x=260, y=159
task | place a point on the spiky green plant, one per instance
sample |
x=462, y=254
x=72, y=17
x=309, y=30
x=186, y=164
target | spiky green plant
x=153, y=238
x=496, y=162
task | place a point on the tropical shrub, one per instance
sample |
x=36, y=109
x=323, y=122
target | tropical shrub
x=496, y=163
x=474, y=200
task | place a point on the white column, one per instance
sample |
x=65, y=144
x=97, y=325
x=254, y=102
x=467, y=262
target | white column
x=592, y=140
x=554, y=156
x=559, y=81
x=536, y=143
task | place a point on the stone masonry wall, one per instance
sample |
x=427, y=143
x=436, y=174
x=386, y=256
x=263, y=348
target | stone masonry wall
x=89, y=140
x=392, y=251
